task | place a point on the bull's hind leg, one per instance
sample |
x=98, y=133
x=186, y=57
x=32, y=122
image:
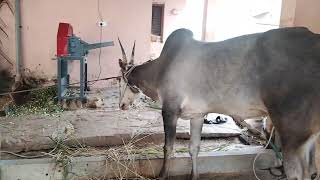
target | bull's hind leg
x=298, y=149
x=297, y=145
x=292, y=163
x=295, y=116
x=170, y=117
x=312, y=162
x=194, y=147
x=308, y=151
x=299, y=161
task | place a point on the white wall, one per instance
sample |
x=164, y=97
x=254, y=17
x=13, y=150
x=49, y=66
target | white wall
x=189, y=15
x=225, y=18
x=230, y=18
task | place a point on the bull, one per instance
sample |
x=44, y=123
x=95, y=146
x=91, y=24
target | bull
x=274, y=74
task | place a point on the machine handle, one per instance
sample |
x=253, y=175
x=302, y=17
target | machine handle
x=98, y=45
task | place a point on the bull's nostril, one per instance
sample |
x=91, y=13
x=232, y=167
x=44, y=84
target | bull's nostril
x=314, y=176
x=123, y=107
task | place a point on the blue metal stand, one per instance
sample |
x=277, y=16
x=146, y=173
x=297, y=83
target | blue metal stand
x=77, y=50
x=64, y=77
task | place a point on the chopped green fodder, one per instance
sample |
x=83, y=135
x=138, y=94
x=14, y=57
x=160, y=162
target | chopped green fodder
x=182, y=150
x=40, y=102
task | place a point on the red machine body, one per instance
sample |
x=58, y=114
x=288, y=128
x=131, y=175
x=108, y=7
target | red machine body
x=65, y=31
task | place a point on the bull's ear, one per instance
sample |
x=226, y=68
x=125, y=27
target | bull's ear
x=122, y=64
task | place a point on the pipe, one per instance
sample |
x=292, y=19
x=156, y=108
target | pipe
x=18, y=38
x=204, y=20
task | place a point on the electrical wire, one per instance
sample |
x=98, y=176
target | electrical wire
x=44, y=87
x=99, y=58
x=100, y=41
x=99, y=12
x=30, y=157
x=255, y=159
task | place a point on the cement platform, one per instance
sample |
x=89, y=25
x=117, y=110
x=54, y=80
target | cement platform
x=95, y=128
x=214, y=165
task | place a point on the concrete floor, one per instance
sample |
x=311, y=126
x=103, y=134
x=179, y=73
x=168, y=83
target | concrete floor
x=229, y=176
x=109, y=126
x=106, y=125
x=212, y=165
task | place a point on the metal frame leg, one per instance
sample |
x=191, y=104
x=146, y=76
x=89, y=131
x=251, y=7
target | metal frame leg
x=82, y=76
x=63, y=77
x=86, y=87
x=59, y=80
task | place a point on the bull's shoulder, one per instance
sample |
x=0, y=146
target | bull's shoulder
x=290, y=34
x=296, y=40
x=290, y=30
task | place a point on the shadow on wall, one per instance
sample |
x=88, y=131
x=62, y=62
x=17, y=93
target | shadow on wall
x=6, y=81
x=28, y=81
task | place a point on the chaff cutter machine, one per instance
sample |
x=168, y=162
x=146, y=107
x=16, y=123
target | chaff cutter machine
x=72, y=48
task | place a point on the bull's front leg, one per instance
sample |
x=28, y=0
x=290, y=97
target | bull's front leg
x=194, y=147
x=169, y=123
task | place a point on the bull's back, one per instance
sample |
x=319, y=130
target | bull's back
x=237, y=74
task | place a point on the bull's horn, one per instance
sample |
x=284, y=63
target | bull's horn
x=132, y=54
x=124, y=56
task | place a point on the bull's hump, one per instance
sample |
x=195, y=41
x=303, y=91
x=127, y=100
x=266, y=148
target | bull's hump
x=175, y=42
x=181, y=34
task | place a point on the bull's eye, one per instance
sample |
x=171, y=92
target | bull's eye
x=134, y=89
x=314, y=176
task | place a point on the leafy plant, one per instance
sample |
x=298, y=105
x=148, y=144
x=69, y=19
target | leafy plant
x=39, y=102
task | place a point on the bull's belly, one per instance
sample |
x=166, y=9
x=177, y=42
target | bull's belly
x=246, y=108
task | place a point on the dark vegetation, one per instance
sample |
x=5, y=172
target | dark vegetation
x=41, y=102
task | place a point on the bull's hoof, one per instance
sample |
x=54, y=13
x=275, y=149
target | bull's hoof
x=163, y=175
x=194, y=177
x=162, y=178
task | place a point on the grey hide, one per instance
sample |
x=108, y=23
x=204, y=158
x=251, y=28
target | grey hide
x=275, y=74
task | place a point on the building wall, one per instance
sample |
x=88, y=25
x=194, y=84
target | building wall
x=179, y=14
x=308, y=14
x=130, y=20
x=170, y=22
x=288, y=12
x=301, y=13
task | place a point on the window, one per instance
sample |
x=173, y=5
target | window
x=157, y=20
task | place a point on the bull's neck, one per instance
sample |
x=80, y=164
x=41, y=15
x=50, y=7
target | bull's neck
x=144, y=76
